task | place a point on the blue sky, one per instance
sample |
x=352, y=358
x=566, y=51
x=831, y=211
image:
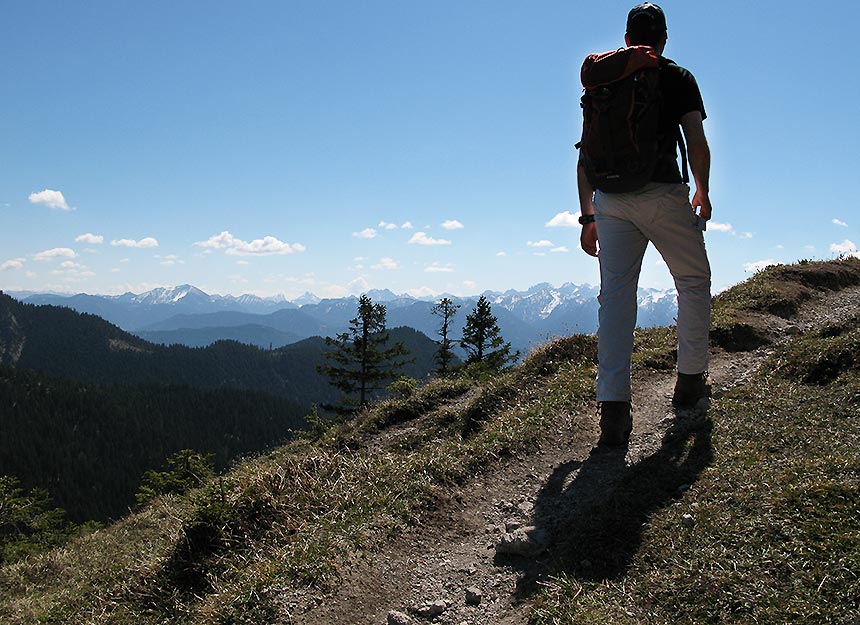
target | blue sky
x=334, y=147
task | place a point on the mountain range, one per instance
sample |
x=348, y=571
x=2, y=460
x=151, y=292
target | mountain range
x=188, y=316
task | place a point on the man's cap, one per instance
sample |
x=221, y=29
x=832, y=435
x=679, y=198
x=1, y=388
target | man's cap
x=646, y=18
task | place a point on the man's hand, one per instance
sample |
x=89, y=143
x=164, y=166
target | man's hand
x=702, y=204
x=588, y=239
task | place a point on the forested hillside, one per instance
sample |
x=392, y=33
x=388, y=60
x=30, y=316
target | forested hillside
x=87, y=408
x=89, y=445
x=60, y=342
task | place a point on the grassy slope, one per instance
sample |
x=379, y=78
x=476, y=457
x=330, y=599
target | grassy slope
x=776, y=539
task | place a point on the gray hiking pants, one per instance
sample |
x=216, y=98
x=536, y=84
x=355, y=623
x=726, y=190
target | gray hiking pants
x=626, y=222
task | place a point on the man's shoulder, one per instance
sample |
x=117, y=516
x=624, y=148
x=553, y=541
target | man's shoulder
x=673, y=69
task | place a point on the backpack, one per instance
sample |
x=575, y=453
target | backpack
x=621, y=137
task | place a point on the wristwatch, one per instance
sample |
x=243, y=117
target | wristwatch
x=586, y=219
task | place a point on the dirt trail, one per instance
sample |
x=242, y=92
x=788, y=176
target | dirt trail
x=455, y=550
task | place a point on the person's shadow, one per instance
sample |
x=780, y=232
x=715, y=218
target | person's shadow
x=594, y=520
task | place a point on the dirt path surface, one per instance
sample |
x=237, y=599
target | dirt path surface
x=428, y=572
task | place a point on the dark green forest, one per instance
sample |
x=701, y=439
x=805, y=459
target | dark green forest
x=89, y=445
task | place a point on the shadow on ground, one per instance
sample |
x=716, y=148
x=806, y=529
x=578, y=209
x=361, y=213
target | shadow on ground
x=595, y=511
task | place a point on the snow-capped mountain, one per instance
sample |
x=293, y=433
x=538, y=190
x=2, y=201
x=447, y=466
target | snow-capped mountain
x=525, y=317
x=162, y=295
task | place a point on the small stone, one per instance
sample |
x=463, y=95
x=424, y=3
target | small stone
x=526, y=507
x=688, y=520
x=398, y=618
x=683, y=488
x=525, y=541
x=473, y=595
x=510, y=526
x=432, y=610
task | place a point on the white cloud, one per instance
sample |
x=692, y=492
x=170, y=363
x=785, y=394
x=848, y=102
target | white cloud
x=242, y=262
x=167, y=263
x=439, y=268
x=14, y=263
x=358, y=285
x=846, y=247
x=267, y=246
x=839, y=222
x=746, y=235
x=501, y=253
x=407, y=225
x=562, y=249
x=92, y=239
x=125, y=260
x=367, y=233
x=452, y=224
x=421, y=238
x=424, y=291
x=542, y=243
x=470, y=284
x=759, y=264
x=51, y=199
x=564, y=219
x=70, y=264
x=715, y=226
x=387, y=226
x=146, y=242
x=386, y=263
x=57, y=252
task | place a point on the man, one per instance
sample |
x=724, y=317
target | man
x=622, y=224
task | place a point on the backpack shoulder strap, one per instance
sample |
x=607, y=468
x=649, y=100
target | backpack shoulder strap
x=608, y=67
x=682, y=148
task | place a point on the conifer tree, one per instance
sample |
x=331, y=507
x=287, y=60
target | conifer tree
x=446, y=309
x=482, y=338
x=362, y=361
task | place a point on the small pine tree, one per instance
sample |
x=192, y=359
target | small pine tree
x=482, y=338
x=28, y=523
x=363, y=362
x=446, y=309
x=188, y=469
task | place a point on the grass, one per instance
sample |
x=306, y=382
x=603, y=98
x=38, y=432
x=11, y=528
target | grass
x=224, y=553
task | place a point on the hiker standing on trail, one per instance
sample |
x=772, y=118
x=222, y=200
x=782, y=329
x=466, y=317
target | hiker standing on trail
x=631, y=191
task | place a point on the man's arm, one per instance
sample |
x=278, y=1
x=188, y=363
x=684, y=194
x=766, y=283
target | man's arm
x=700, y=161
x=588, y=236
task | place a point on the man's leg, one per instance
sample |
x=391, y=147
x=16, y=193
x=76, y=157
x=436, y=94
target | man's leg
x=673, y=231
x=622, y=246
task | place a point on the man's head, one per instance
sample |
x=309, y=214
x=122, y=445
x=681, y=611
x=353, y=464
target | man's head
x=646, y=26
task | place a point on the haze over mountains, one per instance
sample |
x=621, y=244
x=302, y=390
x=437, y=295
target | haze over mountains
x=187, y=315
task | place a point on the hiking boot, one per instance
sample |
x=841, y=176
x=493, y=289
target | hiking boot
x=689, y=389
x=616, y=423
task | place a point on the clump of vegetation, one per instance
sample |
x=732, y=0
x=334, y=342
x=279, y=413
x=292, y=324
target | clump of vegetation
x=187, y=469
x=822, y=356
x=29, y=524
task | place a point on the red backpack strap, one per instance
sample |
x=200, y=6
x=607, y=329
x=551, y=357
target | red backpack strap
x=608, y=67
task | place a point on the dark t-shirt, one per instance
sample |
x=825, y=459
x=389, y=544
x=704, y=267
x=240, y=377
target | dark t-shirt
x=680, y=96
